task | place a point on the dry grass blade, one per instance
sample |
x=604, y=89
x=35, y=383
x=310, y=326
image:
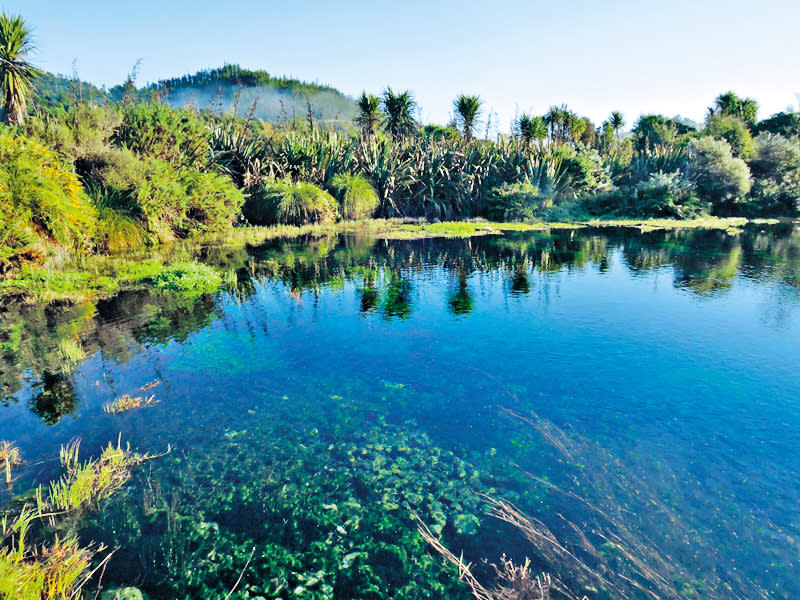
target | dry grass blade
x=513, y=582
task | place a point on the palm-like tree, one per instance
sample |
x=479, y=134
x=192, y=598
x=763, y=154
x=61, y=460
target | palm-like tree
x=531, y=129
x=16, y=73
x=731, y=104
x=468, y=109
x=553, y=119
x=399, y=110
x=369, y=116
x=616, y=121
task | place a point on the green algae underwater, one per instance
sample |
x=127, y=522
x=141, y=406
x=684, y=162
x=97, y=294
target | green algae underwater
x=631, y=393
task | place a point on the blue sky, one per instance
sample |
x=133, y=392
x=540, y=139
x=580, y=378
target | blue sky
x=634, y=56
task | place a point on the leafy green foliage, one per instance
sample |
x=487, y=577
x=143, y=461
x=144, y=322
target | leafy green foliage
x=188, y=278
x=168, y=201
x=662, y=195
x=720, y=178
x=369, y=116
x=584, y=168
x=516, y=202
x=77, y=131
x=776, y=170
x=654, y=131
x=357, y=197
x=786, y=124
x=531, y=129
x=734, y=131
x=732, y=105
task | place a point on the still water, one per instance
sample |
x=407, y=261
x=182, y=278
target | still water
x=637, y=394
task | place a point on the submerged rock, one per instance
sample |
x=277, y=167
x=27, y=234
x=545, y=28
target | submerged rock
x=124, y=593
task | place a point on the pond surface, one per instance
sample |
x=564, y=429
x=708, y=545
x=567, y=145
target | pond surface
x=635, y=393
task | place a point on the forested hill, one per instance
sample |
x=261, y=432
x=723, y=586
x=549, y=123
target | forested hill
x=59, y=90
x=276, y=98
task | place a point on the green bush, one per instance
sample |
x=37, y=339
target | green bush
x=176, y=136
x=357, y=197
x=516, y=202
x=79, y=131
x=776, y=168
x=734, y=131
x=40, y=202
x=168, y=201
x=289, y=203
x=584, y=168
x=719, y=177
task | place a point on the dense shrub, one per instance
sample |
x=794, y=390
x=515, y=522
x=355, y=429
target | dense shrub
x=176, y=136
x=719, y=177
x=734, y=131
x=357, y=197
x=168, y=201
x=584, y=168
x=289, y=203
x=40, y=201
x=81, y=130
x=786, y=124
x=516, y=202
x=117, y=228
x=776, y=169
x=663, y=195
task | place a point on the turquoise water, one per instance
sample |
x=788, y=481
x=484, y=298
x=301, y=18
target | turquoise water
x=635, y=393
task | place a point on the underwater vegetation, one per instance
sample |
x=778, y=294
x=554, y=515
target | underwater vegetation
x=40, y=555
x=323, y=511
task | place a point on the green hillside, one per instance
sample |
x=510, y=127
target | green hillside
x=276, y=98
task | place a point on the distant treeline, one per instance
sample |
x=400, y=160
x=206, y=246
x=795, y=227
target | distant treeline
x=235, y=75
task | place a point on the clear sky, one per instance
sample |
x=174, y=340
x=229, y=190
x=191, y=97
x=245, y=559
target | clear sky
x=637, y=56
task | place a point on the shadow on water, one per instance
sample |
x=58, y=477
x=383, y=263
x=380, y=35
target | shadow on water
x=632, y=392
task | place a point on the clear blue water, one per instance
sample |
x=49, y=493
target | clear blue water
x=650, y=379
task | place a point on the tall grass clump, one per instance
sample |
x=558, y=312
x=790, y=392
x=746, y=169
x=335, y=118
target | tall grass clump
x=357, y=198
x=93, y=480
x=288, y=203
x=118, y=229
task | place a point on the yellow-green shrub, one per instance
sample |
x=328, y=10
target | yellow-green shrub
x=40, y=201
